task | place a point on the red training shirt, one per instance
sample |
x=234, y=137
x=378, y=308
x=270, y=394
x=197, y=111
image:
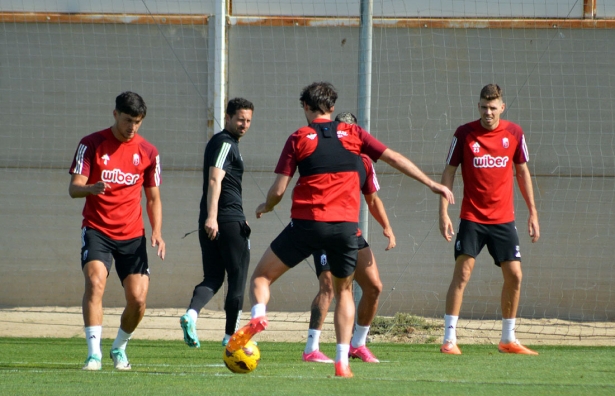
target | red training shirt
x=486, y=159
x=126, y=167
x=326, y=197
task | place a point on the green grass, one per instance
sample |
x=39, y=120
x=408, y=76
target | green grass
x=45, y=366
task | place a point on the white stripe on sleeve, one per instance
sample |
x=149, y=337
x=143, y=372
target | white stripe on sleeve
x=79, y=159
x=224, y=150
x=451, y=150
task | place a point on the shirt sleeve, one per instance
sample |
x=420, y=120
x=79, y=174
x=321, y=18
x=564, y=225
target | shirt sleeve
x=287, y=163
x=521, y=153
x=83, y=158
x=152, y=174
x=371, y=184
x=455, y=152
x=371, y=146
x=222, y=156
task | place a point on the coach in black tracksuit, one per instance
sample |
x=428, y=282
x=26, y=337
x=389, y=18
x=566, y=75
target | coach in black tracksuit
x=223, y=230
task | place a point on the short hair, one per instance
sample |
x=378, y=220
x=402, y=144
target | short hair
x=130, y=103
x=491, y=92
x=319, y=96
x=238, y=104
x=346, y=117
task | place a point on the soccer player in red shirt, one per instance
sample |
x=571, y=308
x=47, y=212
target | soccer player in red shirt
x=366, y=275
x=488, y=149
x=109, y=169
x=324, y=212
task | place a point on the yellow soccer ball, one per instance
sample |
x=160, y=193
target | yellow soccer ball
x=243, y=360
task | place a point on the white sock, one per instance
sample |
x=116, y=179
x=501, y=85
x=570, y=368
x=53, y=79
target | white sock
x=341, y=353
x=359, y=337
x=508, y=330
x=258, y=310
x=450, y=328
x=121, y=340
x=93, y=334
x=194, y=315
x=313, y=341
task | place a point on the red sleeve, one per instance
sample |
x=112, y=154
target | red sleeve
x=83, y=157
x=287, y=164
x=521, y=155
x=455, y=152
x=371, y=146
x=371, y=181
x=152, y=174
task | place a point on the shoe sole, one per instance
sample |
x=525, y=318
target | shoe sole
x=531, y=353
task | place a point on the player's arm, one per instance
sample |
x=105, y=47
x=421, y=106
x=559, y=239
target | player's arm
x=376, y=208
x=78, y=187
x=213, y=197
x=274, y=195
x=446, y=226
x=524, y=180
x=407, y=167
x=154, y=213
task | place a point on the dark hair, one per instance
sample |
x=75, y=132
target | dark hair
x=238, y=104
x=319, y=96
x=346, y=117
x=491, y=92
x=130, y=103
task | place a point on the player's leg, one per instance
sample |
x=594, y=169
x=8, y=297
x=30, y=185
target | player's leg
x=213, y=278
x=343, y=320
x=464, y=265
x=342, y=252
x=470, y=240
x=133, y=270
x=96, y=260
x=95, y=275
x=503, y=245
x=368, y=278
x=235, y=250
x=318, y=311
x=267, y=271
x=511, y=291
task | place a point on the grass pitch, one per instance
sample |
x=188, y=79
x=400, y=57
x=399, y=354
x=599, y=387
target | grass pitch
x=46, y=366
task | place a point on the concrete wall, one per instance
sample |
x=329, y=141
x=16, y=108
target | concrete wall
x=58, y=83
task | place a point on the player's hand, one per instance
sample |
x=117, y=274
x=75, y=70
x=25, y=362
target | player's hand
x=533, y=227
x=446, y=227
x=157, y=241
x=99, y=188
x=444, y=191
x=211, y=228
x=262, y=208
x=388, y=232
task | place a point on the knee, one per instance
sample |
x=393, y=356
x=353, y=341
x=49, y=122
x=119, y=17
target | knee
x=212, y=284
x=463, y=276
x=95, y=286
x=373, y=290
x=514, y=278
x=136, y=301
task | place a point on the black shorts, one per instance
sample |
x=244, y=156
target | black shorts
x=320, y=257
x=502, y=240
x=130, y=255
x=303, y=237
